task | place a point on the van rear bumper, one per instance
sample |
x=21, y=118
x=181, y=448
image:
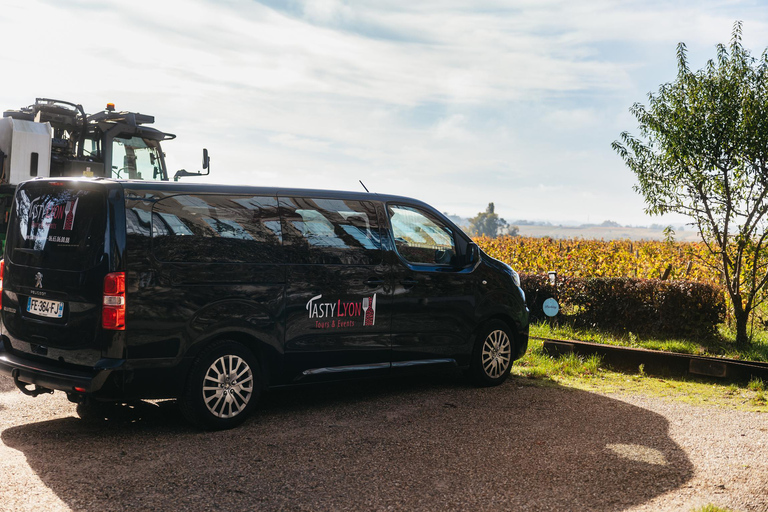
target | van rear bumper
x=50, y=376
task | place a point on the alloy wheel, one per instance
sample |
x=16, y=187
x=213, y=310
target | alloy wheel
x=496, y=354
x=227, y=386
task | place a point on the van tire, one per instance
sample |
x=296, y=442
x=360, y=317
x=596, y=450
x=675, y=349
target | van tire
x=223, y=386
x=492, y=354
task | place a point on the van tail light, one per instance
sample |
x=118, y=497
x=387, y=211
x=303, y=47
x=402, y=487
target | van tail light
x=113, y=310
x=2, y=271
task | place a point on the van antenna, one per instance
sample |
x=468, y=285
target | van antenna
x=363, y=184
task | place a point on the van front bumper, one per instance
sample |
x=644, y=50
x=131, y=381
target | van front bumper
x=55, y=377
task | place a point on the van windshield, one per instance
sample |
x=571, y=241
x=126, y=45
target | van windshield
x=57, y=226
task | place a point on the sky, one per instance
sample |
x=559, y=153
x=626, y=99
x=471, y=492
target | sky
x=452, y=102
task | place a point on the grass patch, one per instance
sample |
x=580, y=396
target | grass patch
x=718, y=346
x=712, y=508
x=756, y=385
x=538, y=365
x=591, y=374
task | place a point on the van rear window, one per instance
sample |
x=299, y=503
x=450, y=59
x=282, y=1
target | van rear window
x=57, y=226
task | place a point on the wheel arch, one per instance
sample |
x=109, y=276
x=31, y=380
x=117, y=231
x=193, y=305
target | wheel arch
x=233, y=399
x=518, y=332
x=264, y=352
x=508, y=307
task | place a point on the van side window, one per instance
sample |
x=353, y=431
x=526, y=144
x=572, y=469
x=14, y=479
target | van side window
x=217, y=229
x=138, y=221
x=420, y=238
x=330, y=231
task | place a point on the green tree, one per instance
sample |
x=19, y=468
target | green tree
x=703, y=152
x=487, y=223
x=509, y=230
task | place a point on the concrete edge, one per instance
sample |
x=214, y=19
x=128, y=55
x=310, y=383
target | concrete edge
x=656, y=361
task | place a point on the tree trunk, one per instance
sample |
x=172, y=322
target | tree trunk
x=742, y=319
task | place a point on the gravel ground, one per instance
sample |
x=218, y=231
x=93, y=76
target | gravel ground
x=412, y=444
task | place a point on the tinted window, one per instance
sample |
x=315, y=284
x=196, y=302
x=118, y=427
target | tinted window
x=331, y=231
x=214, y=229
x=56, y=226
x=420, y=237
x=138, y=221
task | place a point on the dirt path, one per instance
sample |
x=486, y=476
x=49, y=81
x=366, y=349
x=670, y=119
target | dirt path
x=416, y=444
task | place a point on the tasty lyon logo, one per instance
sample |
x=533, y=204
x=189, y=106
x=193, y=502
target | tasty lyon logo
x=53, y=214
x=341, y=314
x=45, y=218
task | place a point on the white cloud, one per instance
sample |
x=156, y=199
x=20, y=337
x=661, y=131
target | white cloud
x=326, y=11
x=456, y=103
x=292, y=141
x=452, y=128
x=575, y=118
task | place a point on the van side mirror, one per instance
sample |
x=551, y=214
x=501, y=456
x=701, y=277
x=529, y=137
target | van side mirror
x=206, y=159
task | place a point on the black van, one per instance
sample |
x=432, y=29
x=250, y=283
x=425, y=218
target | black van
x=124, y=290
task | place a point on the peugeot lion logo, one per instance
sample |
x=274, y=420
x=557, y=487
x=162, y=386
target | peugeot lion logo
x=38, y=280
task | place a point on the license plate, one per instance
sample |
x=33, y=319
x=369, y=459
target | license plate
x=42, y=307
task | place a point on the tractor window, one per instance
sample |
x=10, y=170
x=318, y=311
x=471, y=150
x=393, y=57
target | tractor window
x=136, y=159
x=92, y=148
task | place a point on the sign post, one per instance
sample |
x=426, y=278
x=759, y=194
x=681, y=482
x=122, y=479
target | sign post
x=551, y=309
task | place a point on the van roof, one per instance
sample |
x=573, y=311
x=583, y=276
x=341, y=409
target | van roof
x=169, y=187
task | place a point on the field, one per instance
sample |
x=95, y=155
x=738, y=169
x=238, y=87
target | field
x=604, y=258
x=605, y=233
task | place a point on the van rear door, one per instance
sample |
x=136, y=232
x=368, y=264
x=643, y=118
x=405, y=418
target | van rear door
x=55, y=263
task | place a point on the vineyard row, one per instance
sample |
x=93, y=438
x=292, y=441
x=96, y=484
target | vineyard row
x=601, y=258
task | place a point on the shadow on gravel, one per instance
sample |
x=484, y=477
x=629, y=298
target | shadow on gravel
x=412, y=444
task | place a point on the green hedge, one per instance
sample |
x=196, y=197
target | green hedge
x=621, y=304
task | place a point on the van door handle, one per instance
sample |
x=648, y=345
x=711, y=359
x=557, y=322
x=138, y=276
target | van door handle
x=409, y=283
x=374, y=282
